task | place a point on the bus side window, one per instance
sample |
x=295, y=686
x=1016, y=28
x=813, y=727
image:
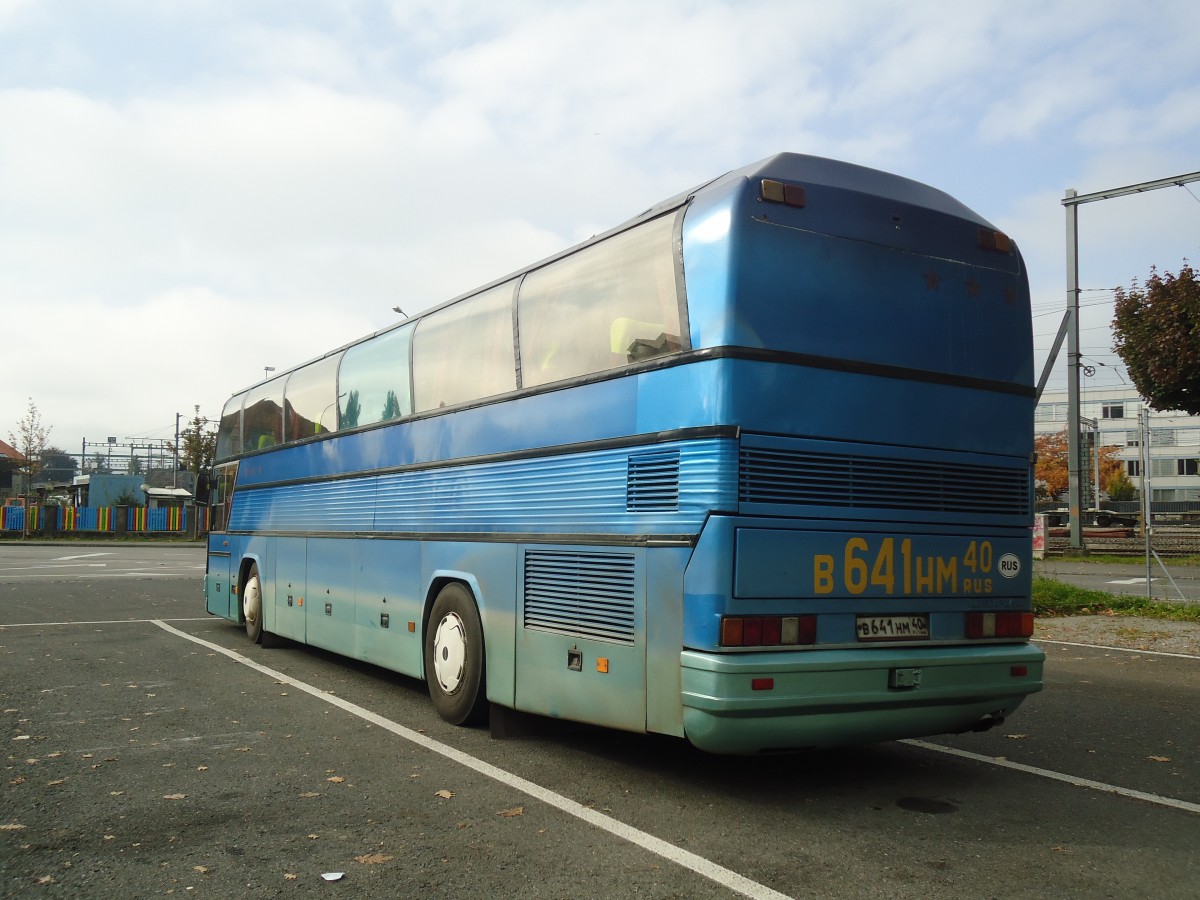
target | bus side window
x=465, y=351
x=608, y=305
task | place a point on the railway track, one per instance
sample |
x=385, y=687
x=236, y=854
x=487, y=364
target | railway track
x=1167, y=542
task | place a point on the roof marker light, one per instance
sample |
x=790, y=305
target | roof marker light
x=995, y=240
x=778, y=192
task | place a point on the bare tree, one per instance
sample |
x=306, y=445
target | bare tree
x=30, y=441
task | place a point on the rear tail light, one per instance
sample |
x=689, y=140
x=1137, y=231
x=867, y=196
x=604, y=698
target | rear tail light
x=1000, y=625
x=768, y=631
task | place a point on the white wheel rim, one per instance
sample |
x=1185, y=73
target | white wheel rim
x=450, y=653
x=251, y=601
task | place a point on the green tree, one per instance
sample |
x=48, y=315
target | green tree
x=58, y=465
x=349, y=417
x=391, y=408
x=197, y=444
x=1156, y=332
x=1119, y=487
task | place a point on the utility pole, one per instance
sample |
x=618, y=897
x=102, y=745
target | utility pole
x=1072, y=201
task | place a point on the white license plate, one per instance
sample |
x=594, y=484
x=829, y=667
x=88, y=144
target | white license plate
x=893, y=628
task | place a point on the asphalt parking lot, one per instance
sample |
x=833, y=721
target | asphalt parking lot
x=152, y=751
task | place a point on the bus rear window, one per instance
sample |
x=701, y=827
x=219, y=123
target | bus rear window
x=608, y=305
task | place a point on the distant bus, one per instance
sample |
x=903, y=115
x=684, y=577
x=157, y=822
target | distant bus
x=753, y=469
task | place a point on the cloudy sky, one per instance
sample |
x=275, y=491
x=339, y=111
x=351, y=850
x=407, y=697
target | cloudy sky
x=193, y=190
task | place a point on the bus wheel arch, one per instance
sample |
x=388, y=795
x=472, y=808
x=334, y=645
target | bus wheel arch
x=251, y=600
x=455, y=667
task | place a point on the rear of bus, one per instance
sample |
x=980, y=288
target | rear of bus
x=870, y=340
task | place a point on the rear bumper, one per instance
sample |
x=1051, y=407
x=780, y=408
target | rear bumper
x=825, y=698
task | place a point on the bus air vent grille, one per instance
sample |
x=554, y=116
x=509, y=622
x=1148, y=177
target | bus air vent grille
x=588, y=594
x=806, y=478
x=653, y=481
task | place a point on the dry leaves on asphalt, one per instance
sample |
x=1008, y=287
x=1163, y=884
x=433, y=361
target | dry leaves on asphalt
x=509, y=813
x=373, y=859
x=444, y=794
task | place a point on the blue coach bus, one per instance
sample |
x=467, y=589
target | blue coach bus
x=753, y=468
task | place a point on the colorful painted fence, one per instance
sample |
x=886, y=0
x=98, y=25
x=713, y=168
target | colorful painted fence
x=134, y=519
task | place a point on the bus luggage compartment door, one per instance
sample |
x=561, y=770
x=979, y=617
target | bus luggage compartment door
x=581, y=649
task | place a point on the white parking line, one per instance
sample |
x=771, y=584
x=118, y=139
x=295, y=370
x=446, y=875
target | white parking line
x=707, y=868
x=1118, y=649
x=1059, y=776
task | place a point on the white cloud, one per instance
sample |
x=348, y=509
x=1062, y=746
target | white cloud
x=286, y=175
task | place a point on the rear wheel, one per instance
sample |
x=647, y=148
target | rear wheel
x=454, y=665
x=252, y=605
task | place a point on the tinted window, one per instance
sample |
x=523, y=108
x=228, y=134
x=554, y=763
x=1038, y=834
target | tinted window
x=310, y=401
x=611, y=304
x=229, y=433
x=465, y=352
x=262, y=416
x=373, y=384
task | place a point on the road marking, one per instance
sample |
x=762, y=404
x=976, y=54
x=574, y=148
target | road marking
x=100, y=622
x=82, y=556
x=45, y=566
x=1141, y=580
x=1119, y=649
x=707, y=868
x=1059, y=776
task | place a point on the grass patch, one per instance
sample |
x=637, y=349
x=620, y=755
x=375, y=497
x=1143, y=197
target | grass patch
x=1054, y=598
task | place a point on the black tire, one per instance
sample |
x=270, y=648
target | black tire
x=252, y=605
x=454, y=662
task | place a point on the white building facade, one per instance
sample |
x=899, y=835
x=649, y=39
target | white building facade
x=1174, y=469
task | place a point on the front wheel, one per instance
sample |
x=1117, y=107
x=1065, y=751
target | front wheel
x=454, y=666
x=252, y=607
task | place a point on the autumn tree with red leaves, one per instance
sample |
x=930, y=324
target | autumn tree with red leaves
x=1052, y=459
x=1156, y=332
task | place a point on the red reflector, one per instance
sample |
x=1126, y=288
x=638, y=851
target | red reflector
x=762, y=684
x=1018, y=671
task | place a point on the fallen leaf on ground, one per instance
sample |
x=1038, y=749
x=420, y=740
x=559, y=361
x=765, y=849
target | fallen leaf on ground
x=174, y=796
x=1159, y=758
x=1016, y=737
x=12, y=827
x=444, y=794
x=336, y=779
x=373, y=859
x=509, y=813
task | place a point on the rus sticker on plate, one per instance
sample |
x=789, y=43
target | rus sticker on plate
x=893, y=628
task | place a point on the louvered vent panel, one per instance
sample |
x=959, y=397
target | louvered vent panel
x=653, y=481
x=589, y=594
x=806, y=478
